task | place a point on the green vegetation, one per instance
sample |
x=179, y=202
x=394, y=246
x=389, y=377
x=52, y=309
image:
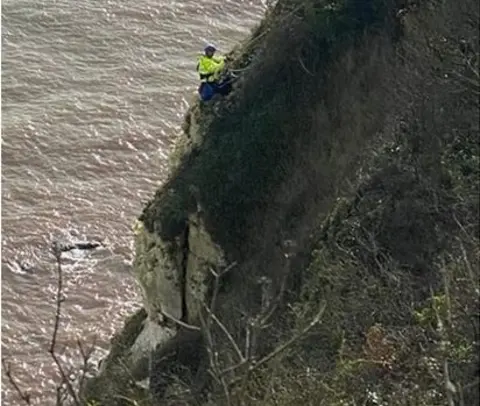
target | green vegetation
x=354, y=132
x=341, y=181
x=249, y=147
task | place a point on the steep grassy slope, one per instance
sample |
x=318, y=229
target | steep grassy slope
x=251, y=145
x=341, y=175
x=396, y=261
x=341, y=103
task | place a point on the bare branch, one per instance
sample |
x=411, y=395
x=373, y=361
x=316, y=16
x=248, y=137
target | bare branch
x=234, y=367
x=179, y=322
x=132, y=402
x=462, y=227
x=449, y=386
x=474, y=69
x=225, y=389
x=274, y=305
x=25, y=396
x=213, y=359
x=224, y=329
x=450, y=389
x=254, y=325
x=86, y=356
x=292, y=340
x=65, y=391
x=57, y=252
x=247, y=342
x=281, y=348
x=217, y=284
x=304, y=67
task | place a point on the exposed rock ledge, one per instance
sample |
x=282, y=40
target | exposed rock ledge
x=173, y=280
x=274, y=164
x=172, y=275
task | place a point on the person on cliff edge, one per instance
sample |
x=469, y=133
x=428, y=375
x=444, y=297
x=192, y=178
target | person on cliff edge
x=211, y=70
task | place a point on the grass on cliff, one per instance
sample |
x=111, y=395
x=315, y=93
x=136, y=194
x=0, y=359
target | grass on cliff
x=396, y=260
x=251, y=141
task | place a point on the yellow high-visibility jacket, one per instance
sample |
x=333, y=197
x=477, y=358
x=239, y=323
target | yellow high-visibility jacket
x=209, y=68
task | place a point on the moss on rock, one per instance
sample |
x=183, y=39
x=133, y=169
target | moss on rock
x=157, y=267
x=271, y=162
x=203, y=255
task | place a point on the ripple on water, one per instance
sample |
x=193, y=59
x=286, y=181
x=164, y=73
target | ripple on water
x=93, y=93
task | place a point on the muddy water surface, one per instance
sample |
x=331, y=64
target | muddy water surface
x=93, y=94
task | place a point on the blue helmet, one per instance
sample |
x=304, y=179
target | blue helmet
x=210, y=48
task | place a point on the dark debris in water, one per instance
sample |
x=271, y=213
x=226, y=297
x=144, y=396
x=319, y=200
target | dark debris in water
x=59, y=247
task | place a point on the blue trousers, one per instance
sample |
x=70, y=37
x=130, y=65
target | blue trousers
x=208, y=90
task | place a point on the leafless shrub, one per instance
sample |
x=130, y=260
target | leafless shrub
x=72, y=379
x=24, y=396
x=233, y=373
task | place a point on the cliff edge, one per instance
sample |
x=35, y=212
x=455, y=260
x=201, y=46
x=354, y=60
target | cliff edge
x=317, y=239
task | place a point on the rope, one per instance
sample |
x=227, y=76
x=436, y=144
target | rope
x=240, y=70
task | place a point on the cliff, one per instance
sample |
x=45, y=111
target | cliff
x=317, y=239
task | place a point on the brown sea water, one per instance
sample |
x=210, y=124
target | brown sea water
x=93, y=94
